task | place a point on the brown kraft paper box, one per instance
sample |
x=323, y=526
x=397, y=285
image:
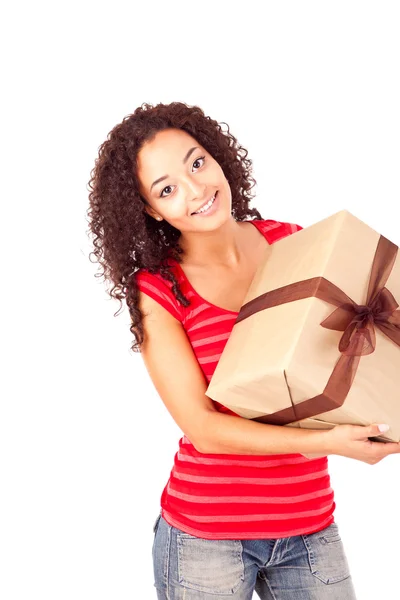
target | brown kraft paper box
x=281, y=366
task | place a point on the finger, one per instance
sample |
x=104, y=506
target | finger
x=387, y=448
x=374, y=430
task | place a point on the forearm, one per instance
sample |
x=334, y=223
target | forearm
x=228, y=434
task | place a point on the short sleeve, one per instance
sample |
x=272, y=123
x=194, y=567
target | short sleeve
x=276, y=230
x=157, y=288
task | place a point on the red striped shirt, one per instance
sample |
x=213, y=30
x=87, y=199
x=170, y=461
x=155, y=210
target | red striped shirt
x=234, y=496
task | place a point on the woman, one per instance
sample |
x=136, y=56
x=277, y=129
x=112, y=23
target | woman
x=244, y=509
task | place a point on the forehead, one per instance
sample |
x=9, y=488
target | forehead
x=166, y=150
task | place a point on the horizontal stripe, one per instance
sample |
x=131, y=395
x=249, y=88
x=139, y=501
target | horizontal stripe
x=229, y=499
x=203, y=360
x=252, y=480
x=196, y=311
x=263, y=517
x=288, y=499
x=211, y=321
x=239, y=462
x=211, y=339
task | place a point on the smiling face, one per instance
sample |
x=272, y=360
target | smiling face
x=177, y=177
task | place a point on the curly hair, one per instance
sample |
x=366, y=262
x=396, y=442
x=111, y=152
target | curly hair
x=125, y=237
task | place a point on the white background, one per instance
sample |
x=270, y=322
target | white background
x=312, y=90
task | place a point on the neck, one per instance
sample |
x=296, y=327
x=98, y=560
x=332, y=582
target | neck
x=224, y=246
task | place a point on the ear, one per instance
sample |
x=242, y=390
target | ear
x=150, y=211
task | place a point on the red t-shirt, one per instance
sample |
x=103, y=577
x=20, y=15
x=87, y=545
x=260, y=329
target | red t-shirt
x=236, y=496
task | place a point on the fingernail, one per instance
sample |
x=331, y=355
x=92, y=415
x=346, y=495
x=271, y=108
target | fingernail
x=383, y=427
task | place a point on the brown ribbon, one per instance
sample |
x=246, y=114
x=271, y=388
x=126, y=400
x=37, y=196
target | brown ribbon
x=358, y=323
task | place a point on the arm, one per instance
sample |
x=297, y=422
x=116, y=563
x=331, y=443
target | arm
x=178, y=379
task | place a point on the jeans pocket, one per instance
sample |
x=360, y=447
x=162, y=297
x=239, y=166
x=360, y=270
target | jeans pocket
x=155, y=526
x=210, y=566
x=326, y=555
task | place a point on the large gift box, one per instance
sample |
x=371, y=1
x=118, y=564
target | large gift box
x=317, y=340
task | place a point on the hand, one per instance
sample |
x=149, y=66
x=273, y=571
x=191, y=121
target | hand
x=352, y=441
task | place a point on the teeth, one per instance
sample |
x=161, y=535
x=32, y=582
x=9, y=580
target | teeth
x=205, y=207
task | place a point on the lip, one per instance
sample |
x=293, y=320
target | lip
x=204, y=203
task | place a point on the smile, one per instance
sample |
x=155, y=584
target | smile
x=206, y=206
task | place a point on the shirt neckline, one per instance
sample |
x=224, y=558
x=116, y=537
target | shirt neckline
x=189, y=285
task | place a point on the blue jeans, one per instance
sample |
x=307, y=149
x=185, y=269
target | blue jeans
x=302, y=567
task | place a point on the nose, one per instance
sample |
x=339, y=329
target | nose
x=196, y=189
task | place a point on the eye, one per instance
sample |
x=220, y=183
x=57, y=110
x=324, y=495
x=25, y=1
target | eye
x=170, y=186
x=161, y=195
x=200, y=158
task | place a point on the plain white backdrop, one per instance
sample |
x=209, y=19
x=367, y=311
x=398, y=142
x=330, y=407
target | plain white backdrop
x=312, y=91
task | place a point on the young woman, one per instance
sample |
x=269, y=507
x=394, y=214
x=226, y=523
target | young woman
x=244, y=510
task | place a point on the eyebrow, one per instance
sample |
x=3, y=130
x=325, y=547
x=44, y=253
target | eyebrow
x=184, y=160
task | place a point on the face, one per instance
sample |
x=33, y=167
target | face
x=177, y=177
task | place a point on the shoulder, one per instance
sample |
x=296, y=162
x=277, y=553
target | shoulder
x=160, y=289
x=276, y=230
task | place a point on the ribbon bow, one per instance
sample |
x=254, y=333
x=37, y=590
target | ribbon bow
x=358, y=321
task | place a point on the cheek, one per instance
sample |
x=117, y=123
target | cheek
x=177, y=208
x=227, y=189
x=221, y=177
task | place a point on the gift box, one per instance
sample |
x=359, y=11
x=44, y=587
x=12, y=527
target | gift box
x=317, y=340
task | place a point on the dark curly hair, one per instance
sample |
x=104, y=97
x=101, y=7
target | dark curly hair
x=125, y=237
